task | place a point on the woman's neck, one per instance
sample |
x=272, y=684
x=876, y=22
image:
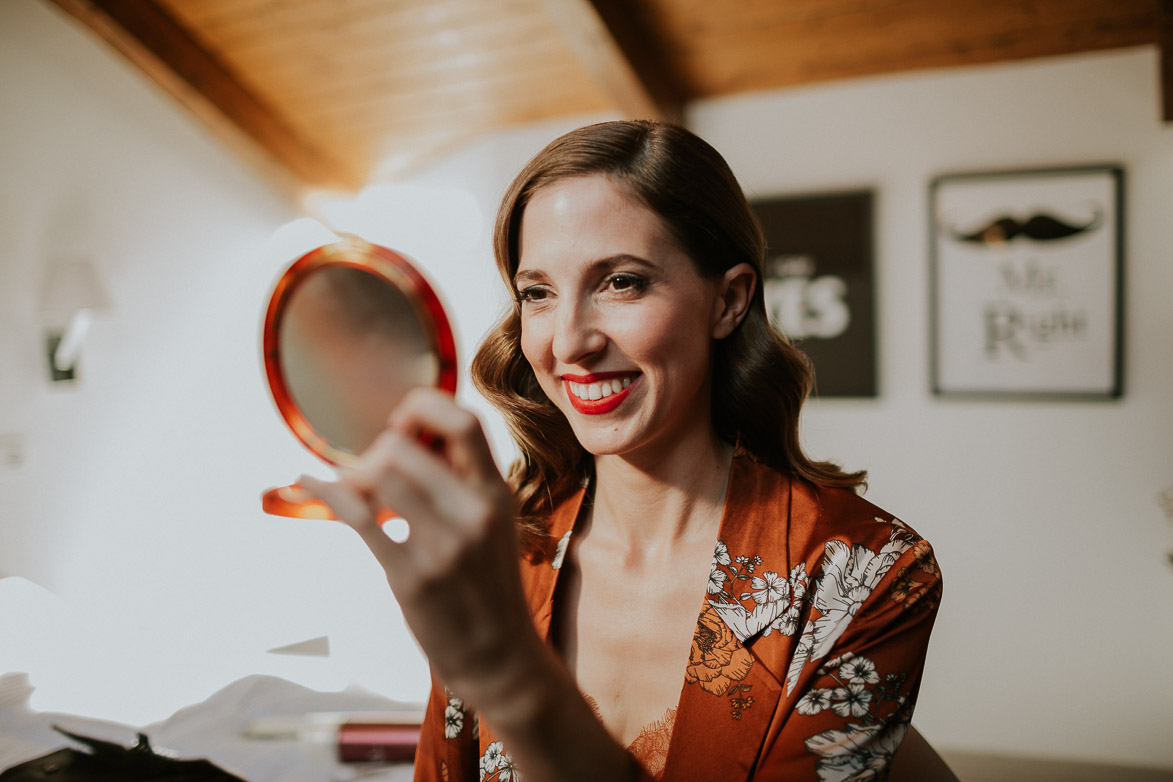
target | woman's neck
x=649, y=507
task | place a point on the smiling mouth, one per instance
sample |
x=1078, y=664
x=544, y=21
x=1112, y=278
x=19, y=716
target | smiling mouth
x=597, y=394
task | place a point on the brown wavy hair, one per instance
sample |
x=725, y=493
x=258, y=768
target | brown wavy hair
x=760, y=379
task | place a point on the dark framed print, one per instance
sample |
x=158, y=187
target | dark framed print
x=1027, y=282
x=818, y=285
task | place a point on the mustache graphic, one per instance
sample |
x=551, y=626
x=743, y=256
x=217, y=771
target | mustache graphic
x=1040, y=227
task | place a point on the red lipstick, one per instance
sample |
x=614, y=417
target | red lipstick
x=603, y=404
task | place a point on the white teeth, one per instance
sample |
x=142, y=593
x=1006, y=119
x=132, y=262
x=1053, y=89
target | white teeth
x=605, y=388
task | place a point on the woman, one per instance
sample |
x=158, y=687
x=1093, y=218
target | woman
x=696, y=599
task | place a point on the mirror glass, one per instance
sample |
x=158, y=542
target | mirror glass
x=351, y=327
x=351, y=346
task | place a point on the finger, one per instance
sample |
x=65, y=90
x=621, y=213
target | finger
x=348, y=503
x=435, y=415
x=353, y=508
x=422, y=487
x=442, y=507
x=396, y=463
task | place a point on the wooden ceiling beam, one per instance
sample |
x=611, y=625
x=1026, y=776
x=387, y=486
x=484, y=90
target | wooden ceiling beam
x=619, y=49
x=161, y=47
x=1165, y=42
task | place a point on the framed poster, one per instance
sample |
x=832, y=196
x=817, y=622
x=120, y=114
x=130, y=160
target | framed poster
x=818, y=285
x=1026, y=283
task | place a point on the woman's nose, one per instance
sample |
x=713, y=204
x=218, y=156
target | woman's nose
x=577, y=334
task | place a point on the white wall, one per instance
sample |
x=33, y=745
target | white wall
x=138, y=500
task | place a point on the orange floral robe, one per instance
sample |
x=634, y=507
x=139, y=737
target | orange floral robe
x=808, y=650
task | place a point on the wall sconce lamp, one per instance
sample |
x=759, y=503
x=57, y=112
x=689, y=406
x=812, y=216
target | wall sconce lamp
x=71, y=295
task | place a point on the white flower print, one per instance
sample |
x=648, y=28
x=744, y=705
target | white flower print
x=560, y=551
x=787, y=624
x=850, y=573
x=854, y=700
x=717, y=578
x=858, y=670
x=769, y=588
x=772, y=603
x=497, y=764
x=798, y=581
x=804, y=646
x=813, y=702
x=861, y=752
x=491, y=760
x=453, y=718
x=880, y=714
x=737, y=618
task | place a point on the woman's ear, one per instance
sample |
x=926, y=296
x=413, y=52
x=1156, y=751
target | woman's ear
x=735, y=293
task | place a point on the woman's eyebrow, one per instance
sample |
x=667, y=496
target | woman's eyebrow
x=527, y=275
x=599, y=265
x=604, y=264
x=612, y=261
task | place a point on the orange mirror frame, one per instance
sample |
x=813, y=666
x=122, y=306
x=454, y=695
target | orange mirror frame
x=388, y=266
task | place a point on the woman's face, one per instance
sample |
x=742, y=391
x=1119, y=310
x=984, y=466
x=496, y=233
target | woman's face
x=615, y=320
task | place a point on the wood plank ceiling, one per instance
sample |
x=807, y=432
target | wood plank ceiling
x=343, y=93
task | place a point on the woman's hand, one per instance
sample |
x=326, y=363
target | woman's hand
x=458, y=583
x=456, y=576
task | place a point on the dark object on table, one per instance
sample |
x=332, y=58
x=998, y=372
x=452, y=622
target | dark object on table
x=109, y=762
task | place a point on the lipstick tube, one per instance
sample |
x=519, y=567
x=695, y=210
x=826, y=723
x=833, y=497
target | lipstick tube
x=352, y=737
x=360, y=742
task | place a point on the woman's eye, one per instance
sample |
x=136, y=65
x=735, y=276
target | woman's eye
x=531, y=294
x=625, y=283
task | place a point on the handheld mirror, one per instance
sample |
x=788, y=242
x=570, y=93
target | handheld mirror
x=351, y=327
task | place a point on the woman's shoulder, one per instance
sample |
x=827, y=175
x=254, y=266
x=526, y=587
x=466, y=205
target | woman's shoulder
x=804, y=560
x=776, y=507
x=857, y=543
x=844, y=513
